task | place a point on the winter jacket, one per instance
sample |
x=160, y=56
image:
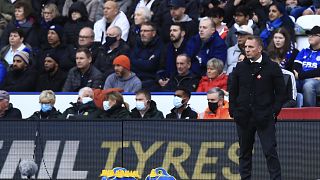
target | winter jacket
x=91, y=8
x=115, y=112
x=187, y=113
x=221, y=113
x=233, y=55
x=82, y=111
x=12, y=113
x=54, y=82
x=171, y=57
x=129, y=84
x=53, y=114
x=76, y=80
x=206, y=84
x=201, y=53
x=152, y=113
x=189, y=81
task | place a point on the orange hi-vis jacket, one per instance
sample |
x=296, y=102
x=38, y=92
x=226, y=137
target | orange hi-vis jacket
x=221, y=113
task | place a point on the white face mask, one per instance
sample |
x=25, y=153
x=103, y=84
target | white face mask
x=177, y=102
x=140, y=105
x=86, y=100
x=106, y=105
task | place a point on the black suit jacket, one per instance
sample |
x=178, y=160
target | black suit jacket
x=256, y=92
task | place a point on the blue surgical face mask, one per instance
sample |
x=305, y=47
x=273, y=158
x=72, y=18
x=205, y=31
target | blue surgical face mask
x=86, y=100
x=106, y=105
x=46, y=107
x=177, y=102
x=140, y=105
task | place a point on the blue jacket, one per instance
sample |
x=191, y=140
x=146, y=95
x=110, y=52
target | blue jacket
x=200, y=52
x=307, y=63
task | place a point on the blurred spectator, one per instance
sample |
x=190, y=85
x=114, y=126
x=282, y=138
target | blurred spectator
x=24, y=20
x=145, y=107
x=261, y=13
x=21, y=77
x=181, y=108
x=204, y=46
x=306, y=68
x=123, y=78
x=184, y=78
x=236, y=53
x=123, y=4
x=39, y=4
x=242, y=16
x=281, y=49
x=77, y=19
x=3, y=72
x=57, y=45
x=113, y=47
x=91, y=7
x=7, y=111
x=218, y=108
x=277, y=18
x=215, y=76
x=84, y=74
x=16, y=44
x=294, y=8
x=146, y=56
x=112, y=17
x=114, y=107
x=209, y=5
x=141, y=15
x=47, y=100
x=217, y=15
x=153, y=6
x=84, y=108
x=53, y=78
x=314, y=9
x=86, y=40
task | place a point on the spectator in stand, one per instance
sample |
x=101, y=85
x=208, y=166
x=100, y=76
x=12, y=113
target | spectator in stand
x=47, y=99
x=114, y=107
x=261, y=12
x=217, y=15
x=77, y=19
x=16, y=44
x=314, y=9
x=21, y=77
x=295, y=8
x=204, y=46
x=91, y=7
x=84, y=108
x=112, y=17
x=124, y=5
x=145, y=107
x=84, y=74
x=277, y=18
x=218, y=108
x=236, y=53
x=53, y=78
x=86, y=40
x=209, y=5
x=113, y=47
x=146, y=57
x=181, y=108
x=38, y=5
x=24, y=20
x=184, y=78
x=153, y=6
x=7, y=111
x=307, y=68
x=7, y=8
x=141, y=15
x=215, y=76
x=123, y=78
x=242, y=16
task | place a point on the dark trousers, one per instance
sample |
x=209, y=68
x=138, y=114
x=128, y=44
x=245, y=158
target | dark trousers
x=267, y=138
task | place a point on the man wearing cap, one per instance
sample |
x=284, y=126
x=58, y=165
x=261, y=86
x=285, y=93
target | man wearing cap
x=307, y=68
x=53, y=78
x=236, y=53
x=84, y=74
x=7, y=111
x=21, y=77
x=123, y=78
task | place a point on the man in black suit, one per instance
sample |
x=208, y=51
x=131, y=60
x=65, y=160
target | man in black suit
x=256, y=98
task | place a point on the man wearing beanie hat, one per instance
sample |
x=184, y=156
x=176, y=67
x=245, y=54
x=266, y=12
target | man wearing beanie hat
x=21, y=77
x=122, y=77
x=7, y=111
x=53, y=78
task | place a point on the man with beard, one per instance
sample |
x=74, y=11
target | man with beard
x=123, y=78
x=53, y=77
x=21, y=77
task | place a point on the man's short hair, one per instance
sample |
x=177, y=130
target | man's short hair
x=216, y=64
x=186, y=56
x=146, y=93
x=181, y=26
x=148, y=23
x=216, y=90
x=119, y=31
x=213, y=25
x=256, y=38
x=186, y=92
x=18, y=31
x=86, y=89
x=243, y=10
x=85, y=51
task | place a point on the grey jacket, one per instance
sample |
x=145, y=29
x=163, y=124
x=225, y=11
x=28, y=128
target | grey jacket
x=130, y=84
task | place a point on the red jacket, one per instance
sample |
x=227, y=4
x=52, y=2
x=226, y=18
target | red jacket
x=206, y=84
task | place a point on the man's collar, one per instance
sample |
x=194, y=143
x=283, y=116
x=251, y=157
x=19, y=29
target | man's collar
x=257, y=61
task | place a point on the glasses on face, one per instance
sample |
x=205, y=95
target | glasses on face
x=313, y=35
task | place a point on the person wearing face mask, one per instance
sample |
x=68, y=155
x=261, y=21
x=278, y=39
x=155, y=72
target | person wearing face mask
x=112, y=48
x=84, y=108
x=47, y=100
x=218, y=108
x=145, y=107
x=114, y=106
x=181, y=108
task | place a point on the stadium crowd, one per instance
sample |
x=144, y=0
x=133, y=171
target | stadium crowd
x=144, y=46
